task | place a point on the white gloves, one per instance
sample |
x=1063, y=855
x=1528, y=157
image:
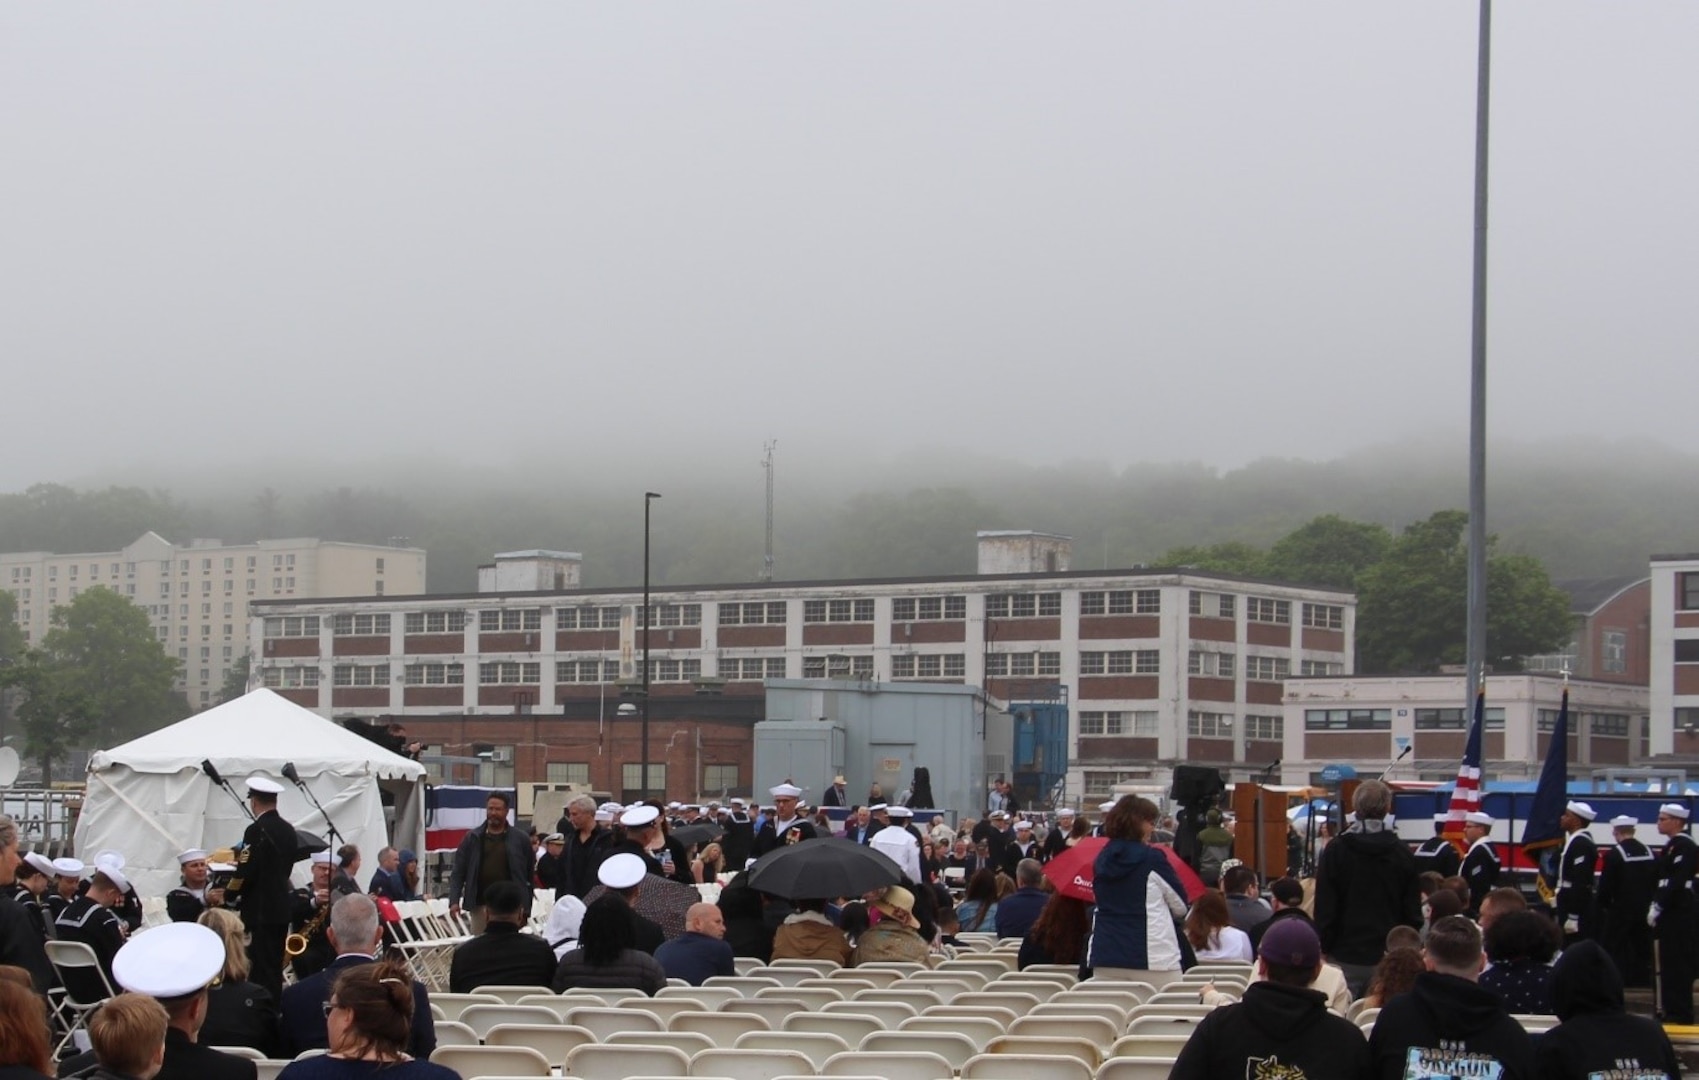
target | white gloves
x=1652, y=914
x=1572, y=925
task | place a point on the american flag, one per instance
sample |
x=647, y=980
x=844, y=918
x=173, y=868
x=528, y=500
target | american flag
x=1466, y=795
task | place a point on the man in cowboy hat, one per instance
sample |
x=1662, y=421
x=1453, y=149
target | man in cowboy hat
x=1574, y=901
x=896, y=936
x=837, y=793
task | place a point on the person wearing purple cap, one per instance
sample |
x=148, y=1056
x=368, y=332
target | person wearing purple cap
x=1281, y=1027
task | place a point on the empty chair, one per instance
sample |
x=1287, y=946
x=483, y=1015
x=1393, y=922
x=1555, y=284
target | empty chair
x=1173, y=997
x=816, y=996
x=1121, y=993
x=979, y=1030
x=481, y=1018
x=1025, y=1067
x=75, y=956
x=1191, y=1009
x=850, y=1027
x=789, y=976
x=1162, y=1025
x=920, y=997
x=613, y=995
x=743, y=984
x=1020, y=1001
x=453, y=1033
x=1015, y=979
x=508, y=995
x=751, y=1064
x=1535, y=1023
x=972, y=978
x=907, y=1065
x=691, y=1042
x=902, y=967
x=241, y=1051
x=1068, y=972
x=474, y=1061
x=1151, y=1046
x=746, y=964
x=268, y=1068
x=775, y=1009
x=722, y=1027
x=602, y=1061
x=667, y=1008
x=818, y=1045
x=888, y=1013
x=1135, y=1068
x=604, y=1020
x=819, y=967
x=1115, y=1014
x=452, y=1005
x=711, y=997
x=847, y=984
x=1049, y=1046
x=954, y=1048
x=553, y=1041
x=561, y=1004
x=1002, y=1015
x=867, y=973
x=1365, y=1019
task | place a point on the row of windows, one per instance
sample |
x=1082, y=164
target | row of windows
x=929, y=666
x=435, y=622
x=1687, y=591
x=837, y=667
x=1209, y=725
x=1217, y=605
x=1127, y=602
x=435, y=674
x=359, y=625
x=287, y=626
x=1123, y=662
x=837, y=611
x=1016, y=606
x=1347, y=719
x=587, y=618
x=1324, y=616
x=1219, y=664
x=1457, y=719
x=753, y=613
x=510, y=620
x=1609, y=724
x=928, y=608
x=360, y=675
x=1263, y=610
x=752, y=668
x=1023, y=664
x=1141, y=724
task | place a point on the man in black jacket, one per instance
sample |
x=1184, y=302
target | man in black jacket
x=356, y=931
x=1438, y=854
x=494, y=851
x=1480, y=866
x=501, y=955
x=1447, y=1025
x=1281, y=1027
x=1674, y=914
x=584, y=846
x=1575, y=873
x=1286, y=897
x=1365, y=885
x=1598, y=1037
x=260, y=887
x=1626, y=883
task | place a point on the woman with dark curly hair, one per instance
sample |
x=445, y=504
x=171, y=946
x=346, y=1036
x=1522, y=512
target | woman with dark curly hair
x=1520, y=945
x=1059, y=934
x=1395, y=974
x=978, y=909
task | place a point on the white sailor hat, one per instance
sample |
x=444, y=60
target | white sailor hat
x=41, y=863
x=108, y=857
x=555, y=838
x=900, y=811
x=221, y=867
x=877, y=807
x=1581, y=810
x=113, y=874
x=169, y=961
x=68, y=867
x=622, y=871
x=739, y=803
x=264, y=785
x=1066, y=811
x=194, y=854
x=1674, y=810
x=675, y=806
x=1476, y=817
x=1020, y=825
x=603, y=814
x=785, y=791
x=324, y=858
x=1000, y=815
x=640, y=816
x=1624, y=821
x=1105, y=807
x=1441, y=818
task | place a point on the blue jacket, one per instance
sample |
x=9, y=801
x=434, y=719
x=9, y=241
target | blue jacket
x=1019, y=910
x=695, y=958
x=1138, y=898
x=303, y=1022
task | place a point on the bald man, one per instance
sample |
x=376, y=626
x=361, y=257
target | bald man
x=701, y=950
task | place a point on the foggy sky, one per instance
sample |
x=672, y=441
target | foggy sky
x=1130, y=230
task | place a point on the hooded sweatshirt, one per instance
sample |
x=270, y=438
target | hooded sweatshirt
x=1366, y=884
x=1138, y=899
x=1275, y=1031
x=1449, y=1026
x=1597, y=1034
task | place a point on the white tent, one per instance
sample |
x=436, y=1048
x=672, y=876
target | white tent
x=150, y=800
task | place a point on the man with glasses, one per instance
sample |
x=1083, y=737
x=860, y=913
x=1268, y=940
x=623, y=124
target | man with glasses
x=1672, y=917
x=785, y=826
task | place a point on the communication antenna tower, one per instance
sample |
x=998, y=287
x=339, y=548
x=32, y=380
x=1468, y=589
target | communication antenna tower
x=767, y=464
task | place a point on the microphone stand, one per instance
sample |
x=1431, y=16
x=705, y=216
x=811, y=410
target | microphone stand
x=336, y=838
x=212, y=774
x=1402, y=754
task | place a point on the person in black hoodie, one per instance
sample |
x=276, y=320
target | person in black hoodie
x=1598, y=1036
x=1365, y=885
x=1281, y=1027
x=1447, y=1025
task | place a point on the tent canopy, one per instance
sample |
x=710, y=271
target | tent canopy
x=149, y=798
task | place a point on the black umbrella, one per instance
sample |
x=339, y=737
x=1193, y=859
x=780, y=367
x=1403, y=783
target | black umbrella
x=699, y=834
x=823, y=870
x=308, y=844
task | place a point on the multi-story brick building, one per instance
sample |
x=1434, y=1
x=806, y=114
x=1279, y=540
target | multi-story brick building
x=1159, y=666
x=1613, y=631
x=1675, y=655
x=197, y=594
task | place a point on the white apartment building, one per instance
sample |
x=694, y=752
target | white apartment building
x=1158, y=666
x=197, y=594
x=1675, y=655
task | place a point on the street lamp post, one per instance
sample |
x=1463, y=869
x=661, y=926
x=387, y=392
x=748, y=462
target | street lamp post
x=648, y=498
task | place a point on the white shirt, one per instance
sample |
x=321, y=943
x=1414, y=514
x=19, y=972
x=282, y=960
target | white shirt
x=900, y=846
x=1228, y=943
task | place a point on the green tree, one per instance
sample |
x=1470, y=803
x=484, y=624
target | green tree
x=236, y=679
x=1329, y=550
x=12, y=643
x=99, y=676
x=1229, y=557
x=1411, y=606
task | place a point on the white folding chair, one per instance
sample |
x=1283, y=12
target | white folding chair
x=507, y=995
x=816, y=996
x=241, y=1051
x=268, y=1068
x=711, y=997
x=889, y=1013
x=977, y=1030
x=775, y=1009
x=452, y=1005
x=1136, y=1068
x=454, y=1033
x=743, y=984
x=917, y=997
x=1048, y=1046
x=1025, y=1067
x=751, y=1064
x=957, y=1049
x=604, y=1020
x=1159, y=1024
x=691, y=1042
x=723, y=1028
x=817, y=1045
x=1115, y=1014
x=73, y=1010
x=1095, y=1029
x=476, y=1061
x=553, y=1041
x=481, y=1018
x=907, y=1065
x=600, y=1061
x=850, y=1027
x=1150, y=1046
x=819, y=967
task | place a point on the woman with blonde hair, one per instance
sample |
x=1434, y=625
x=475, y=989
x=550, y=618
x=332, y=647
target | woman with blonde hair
x=238, y=1012
x=369, y=1018
x=709, y=865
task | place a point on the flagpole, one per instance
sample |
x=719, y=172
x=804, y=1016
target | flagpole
x=1477, y=588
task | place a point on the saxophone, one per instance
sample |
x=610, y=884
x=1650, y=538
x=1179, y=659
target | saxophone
x=296, y=944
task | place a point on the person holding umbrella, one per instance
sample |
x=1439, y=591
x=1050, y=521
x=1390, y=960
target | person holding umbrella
x=1138, y=895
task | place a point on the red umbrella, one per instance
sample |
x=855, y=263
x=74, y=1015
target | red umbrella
x=1071, y=871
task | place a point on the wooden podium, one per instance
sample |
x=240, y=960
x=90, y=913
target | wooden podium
x=1259, y=837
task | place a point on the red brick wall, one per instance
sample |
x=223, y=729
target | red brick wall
x=1104, y=627
x=587, y=640
x=359, y=646
x=928, y=632
x=1022, y=630
x=1630, y=613
x=1202, y=688
x=1114, y=687
x=359, y=697
x=752, y=637
x=1262, y=693
x=837, y=634
x=306, y=698
x=683, y=637
x=1258, y=633
x=1117, y=749
x=1214, y=751
x=1207, y=629
x=292, y=646
x=433, y=695
x=515, y=641
x=434, y=644
x=1324, y=640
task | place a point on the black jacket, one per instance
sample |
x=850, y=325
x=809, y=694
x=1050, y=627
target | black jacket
x=241, y=1014
x=738, y=841
x=260, y=888
x=1365, y=886
x=21, y=946
x=501, y=956
x=185, y=1060
x=1274, y=1030
x=98, y=927
x=303, y=1024
x=1438, y=854
x=1256, y=932
x=1597, y=1035
x=1480, y=873
x=767, y=839
x=1445, y=1019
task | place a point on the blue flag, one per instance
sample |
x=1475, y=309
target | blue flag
x=1541, y=830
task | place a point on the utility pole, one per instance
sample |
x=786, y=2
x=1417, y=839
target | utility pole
x=1477, y=593
x=767, y=464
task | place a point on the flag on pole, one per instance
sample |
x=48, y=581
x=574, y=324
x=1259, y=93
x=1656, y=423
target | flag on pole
x=1542, y=836
x=1466, y=793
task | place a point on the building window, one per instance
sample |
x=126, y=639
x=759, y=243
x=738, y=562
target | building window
x=1686, y=650
x=669, y=670
x=928, y=608
x=359, y=625
x=587, y=618
x=753, y=613
x=1613, y=651
x=1259, y=609
x=838, y=611
x=1321, y=667
x=751, y=668
x=1688, y=591
x=1267, y=668
x=1266, y=728
x=1218, y=664
x=1608, y=725
x=435, y=674
x=1210, y=605
x=1347, y=719
x=1022, y=605
x=291, y=678
x=676, y=615
x=719, y=778
x=631, y=778
x=586, y=671
x=837, y=667
x=1492, y=719
x=292, y=626
x=360, y=675
x=1139, y=724
x=928, y=666
x=509, y=620
x=1099, y=785
x=1209, y=725
x=1324, y=616
x=435, y=622
x=509, y=673
x=568, y=772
